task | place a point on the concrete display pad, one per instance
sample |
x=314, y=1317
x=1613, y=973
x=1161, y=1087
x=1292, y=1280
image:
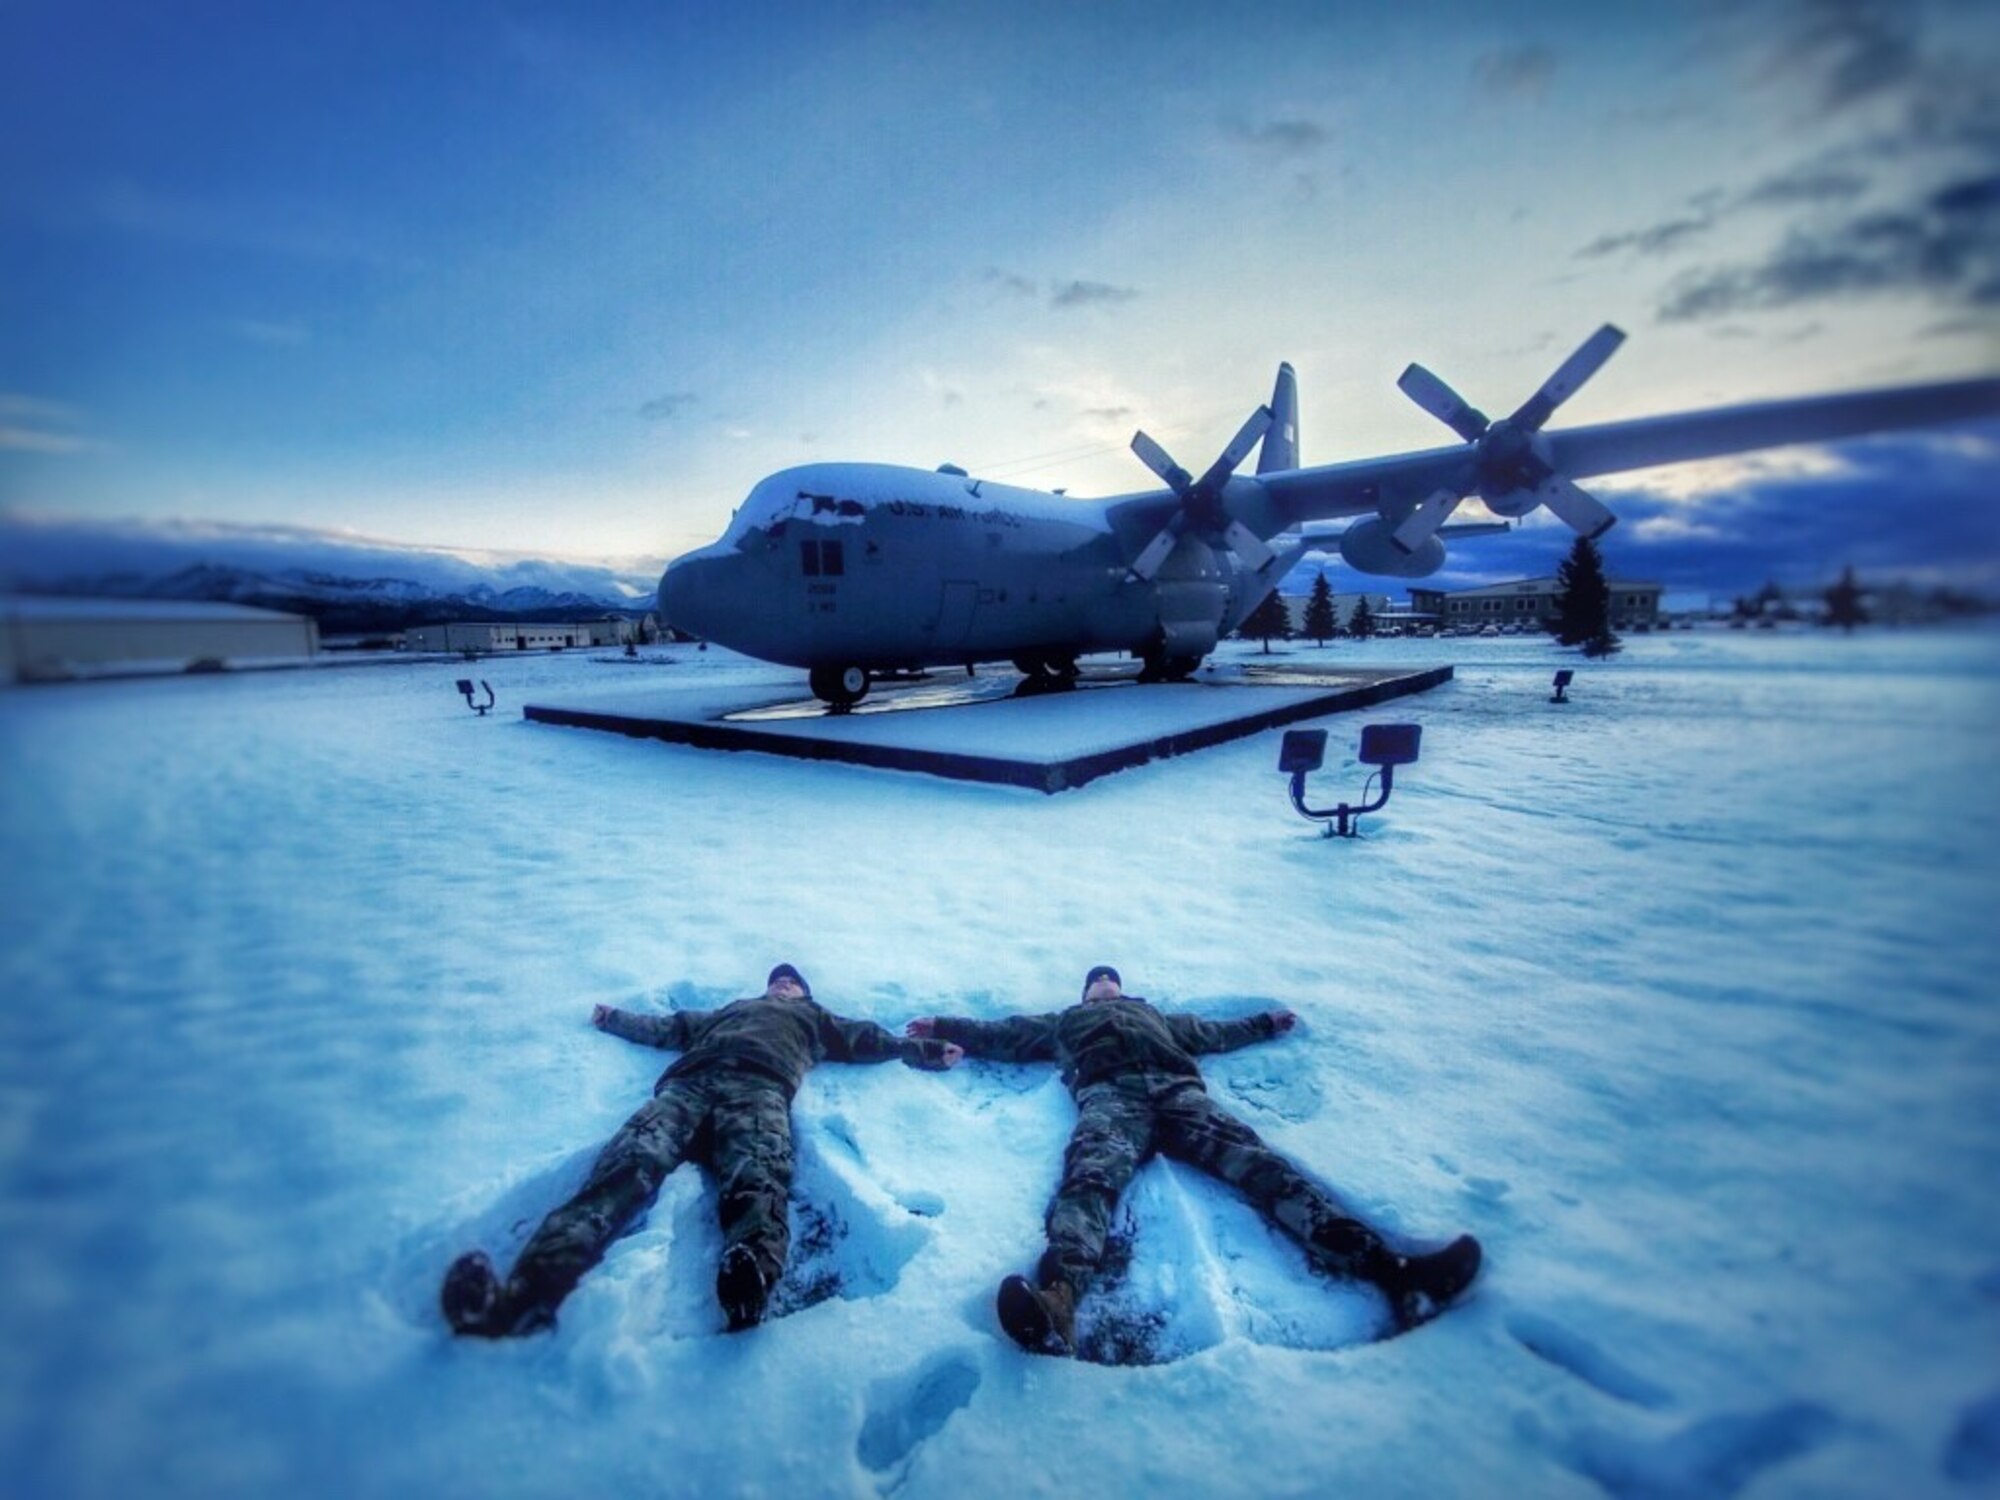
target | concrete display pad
x=985, y=728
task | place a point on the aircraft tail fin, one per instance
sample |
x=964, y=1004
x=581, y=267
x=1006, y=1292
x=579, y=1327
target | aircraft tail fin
x=1281, y=442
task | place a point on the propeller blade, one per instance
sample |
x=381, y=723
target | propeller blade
x=1442, y=402
x=1421, y=524
x=1251, y=433
x=1582, y=511
x=1154, y=553
x=1574, y=371
x=1247, y=545
x=1154, y=457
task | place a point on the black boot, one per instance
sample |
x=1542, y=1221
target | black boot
x=741, y=1289
x=1419, y=1287
x=1041, y=1321
x=475, y=1302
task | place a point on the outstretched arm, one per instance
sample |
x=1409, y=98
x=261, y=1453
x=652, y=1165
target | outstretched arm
x=1016, y=1039
x=865, y=1042
x=678, y=1029
x=1197, y=1035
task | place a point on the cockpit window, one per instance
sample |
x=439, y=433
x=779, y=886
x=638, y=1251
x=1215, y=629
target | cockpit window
x=818, y=558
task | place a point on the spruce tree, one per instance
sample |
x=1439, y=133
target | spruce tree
x=1266, y=620
x=1361, y=624
x=1583, y=601
x=1320, y=623
x=1843, y=602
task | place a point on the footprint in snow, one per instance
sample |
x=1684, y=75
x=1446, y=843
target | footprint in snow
x=1576, y=1355
x=1712, y=1457
x=908, y=1410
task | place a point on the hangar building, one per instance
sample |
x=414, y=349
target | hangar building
x=48, y=639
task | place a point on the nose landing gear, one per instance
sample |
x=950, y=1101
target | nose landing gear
x=839, y=686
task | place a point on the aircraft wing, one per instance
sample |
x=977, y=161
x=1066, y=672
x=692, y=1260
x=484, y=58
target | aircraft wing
x=1613, y=447
x=1392, y=484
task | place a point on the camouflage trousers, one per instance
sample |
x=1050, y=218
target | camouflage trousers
x=738, y=1123
x=1119, y=1127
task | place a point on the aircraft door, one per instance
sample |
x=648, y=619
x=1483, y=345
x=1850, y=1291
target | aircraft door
x=957, y=601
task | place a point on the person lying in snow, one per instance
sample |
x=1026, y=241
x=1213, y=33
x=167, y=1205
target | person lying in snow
x=1132, y=1072
x=726, y=1101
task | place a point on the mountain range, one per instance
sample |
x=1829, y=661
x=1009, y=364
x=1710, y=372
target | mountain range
x=349, y=584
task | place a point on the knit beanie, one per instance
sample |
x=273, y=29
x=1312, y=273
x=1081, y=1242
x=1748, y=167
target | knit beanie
x=1102, y=971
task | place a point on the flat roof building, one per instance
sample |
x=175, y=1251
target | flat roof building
x=50, y=639
x=1530, y=603
x=520, y=635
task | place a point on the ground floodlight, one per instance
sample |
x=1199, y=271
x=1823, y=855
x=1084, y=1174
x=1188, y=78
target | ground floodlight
x=1390, y=744
x=1384, y=746
x=465, y=690
x=1563, y=679
x=1303, y=750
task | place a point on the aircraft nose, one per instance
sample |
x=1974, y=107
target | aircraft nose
x=689, y=593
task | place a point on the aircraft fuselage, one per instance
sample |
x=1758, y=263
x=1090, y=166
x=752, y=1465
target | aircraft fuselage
x=880, y=567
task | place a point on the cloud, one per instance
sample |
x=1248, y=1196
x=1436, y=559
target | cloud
x=1852, y=50
x=1108, y=413
x=1011, y=282
x=1808, y=184
x=1088, y=293
x=30, y=440
x=1279, y=139
x=275, y=335
x=56, y=552
x=1523, y=72
x=299, y=229
x=664, y=408
x=1656, y=239
x=34, y=424
x=1946, y=245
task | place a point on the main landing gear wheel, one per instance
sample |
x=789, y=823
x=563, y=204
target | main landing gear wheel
x=843, y=687
x=1052, y=666
x=1163, y=668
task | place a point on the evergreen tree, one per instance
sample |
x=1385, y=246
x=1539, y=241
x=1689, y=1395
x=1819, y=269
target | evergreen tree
x=1583, y=601
x=1319, y=610
x=1361, y=624
x=1843, y=603
x=1266, y=620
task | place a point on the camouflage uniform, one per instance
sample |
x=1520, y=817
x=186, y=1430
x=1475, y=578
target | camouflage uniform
x=1132, y=1071
x=725, y=1101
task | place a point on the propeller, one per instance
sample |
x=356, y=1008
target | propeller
x=1201, y=499
x=1511, y=470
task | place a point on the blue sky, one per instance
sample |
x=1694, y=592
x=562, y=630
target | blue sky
x=571, y=279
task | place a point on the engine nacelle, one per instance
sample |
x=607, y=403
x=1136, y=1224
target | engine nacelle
x=1368, y=546
x=1513, y=504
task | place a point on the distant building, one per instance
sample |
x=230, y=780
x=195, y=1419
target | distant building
x=49, y=639
x=1531, y=604
x=504, y=635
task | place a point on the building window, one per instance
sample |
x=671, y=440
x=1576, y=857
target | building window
x=809, y=554
x=830, y=560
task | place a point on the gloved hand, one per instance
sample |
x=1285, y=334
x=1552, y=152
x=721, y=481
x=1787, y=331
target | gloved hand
x=932, y=1055
x=922, y=1026
x=1282, y=1021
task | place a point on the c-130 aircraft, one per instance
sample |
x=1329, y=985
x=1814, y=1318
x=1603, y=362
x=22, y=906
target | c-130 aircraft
x=851, y=569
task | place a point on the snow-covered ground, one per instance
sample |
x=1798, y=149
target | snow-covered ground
x=1680, y=996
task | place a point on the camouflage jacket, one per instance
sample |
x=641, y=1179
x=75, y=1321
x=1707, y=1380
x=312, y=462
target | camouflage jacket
x=1106, y=1039
x=780, y=1039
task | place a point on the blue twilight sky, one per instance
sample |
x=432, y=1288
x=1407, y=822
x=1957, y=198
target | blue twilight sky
x=570, y=279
